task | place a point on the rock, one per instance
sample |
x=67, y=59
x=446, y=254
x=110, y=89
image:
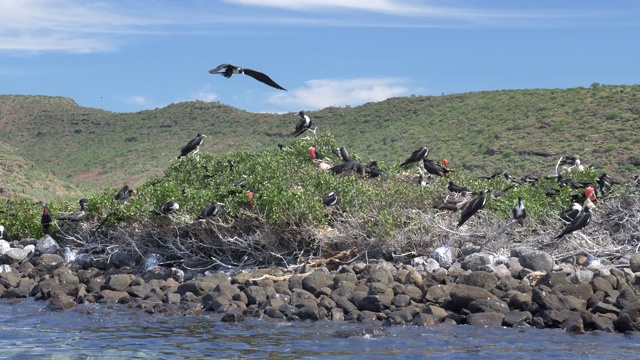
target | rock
x=423, y=319
x=401, y=300
x=232, y=318
x=4, y=268
x=580, y=291
x=599, y=283
x=414, y=293
x=553, y=278
x=361, y=331
x=9, y=279
x=462, y=295
x=443, y=255
x=337, y=314
x=60, y=301
x=13, y=255
x=563, y=318
x=536, y=260
x=255, y=295
x=602, y=308
x=634, y=262
x=374, y=303
x=550, y=301
x=47, y=245
x=4, y=246
x=438, y=312
x=485, y=319
x=110, y=297
x=481, y=279
x=487, y=305
x=49, y=261
x=317, y=280
x=476, y=262
x=343, y=303
x=118, y=282
x=516, y=317
x=308, y=312
x=438, y=293
x=582, y=276
x=22, y=290
x=603, y=323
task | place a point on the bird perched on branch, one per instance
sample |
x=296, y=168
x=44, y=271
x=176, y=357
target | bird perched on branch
x=192, y=145
x=228, y=70
x=330, y=199
x=303, y=124
x=580, y=221
x=211, y=210
x=168, y=208
x=78, y=215
x=570, y=213
x=473, y=207
x=416, y=156
x=125, y=194
x=519, y=211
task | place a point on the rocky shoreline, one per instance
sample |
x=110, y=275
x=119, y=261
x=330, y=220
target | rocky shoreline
x=526, y=289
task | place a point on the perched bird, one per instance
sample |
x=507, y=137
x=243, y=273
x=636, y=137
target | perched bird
x=315, y=153
x=3, y=233
x=78, y=215
x=579, y=222
x=434, y=169
x=571, y=162
x=490, y=177
x=330, y=199
x=373, y=170
x=510, y=178
x=303, y=124
x=473, y=207
x=228, y=70
x=551, y=192
x=342, y=153
x=169, y=208
x=282, y=147
x=453, y=187
x=211, y=210
x=192, y=145
x=250, y=196
x=416, y=156
x=45, y=219
x=529, y=179
x=349, y=165
x=125, y=194
x=570, y=213
x=422, y=181
x=232, y=166
x=519, y=211
x=454, y=204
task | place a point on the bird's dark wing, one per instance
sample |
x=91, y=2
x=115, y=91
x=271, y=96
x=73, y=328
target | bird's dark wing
x=432, y=168
x=124, y=192
x=344, y=154
x=191, y=145
x=300, y=127
x=220, y=67
x=416, y=155
x=473, y=207
x=262, y=78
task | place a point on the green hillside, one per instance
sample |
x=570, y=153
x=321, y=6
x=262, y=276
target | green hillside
x=481, y=132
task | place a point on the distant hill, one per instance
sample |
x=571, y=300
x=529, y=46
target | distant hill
x=83, y=149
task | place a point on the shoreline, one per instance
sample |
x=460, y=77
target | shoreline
x=526, y=289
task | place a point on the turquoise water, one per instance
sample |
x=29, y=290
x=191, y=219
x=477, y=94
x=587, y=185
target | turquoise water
x=28, y=331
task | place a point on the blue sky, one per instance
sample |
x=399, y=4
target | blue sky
x=126, y=56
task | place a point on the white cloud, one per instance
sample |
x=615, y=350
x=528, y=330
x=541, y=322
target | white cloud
x=328, y=92
x=205, y=94
x=380, y=6
x=136, y=100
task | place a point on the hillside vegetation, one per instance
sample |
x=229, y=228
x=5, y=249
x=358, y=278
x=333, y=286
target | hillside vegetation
x=482, y=132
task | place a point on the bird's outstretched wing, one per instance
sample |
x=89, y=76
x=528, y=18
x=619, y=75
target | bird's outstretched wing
x=262, y=78
x=220, y=67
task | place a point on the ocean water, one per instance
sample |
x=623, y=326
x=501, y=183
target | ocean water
x=96, y=331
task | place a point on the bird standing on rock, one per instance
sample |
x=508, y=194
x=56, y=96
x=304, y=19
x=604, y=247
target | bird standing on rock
x=45, y=219
x=473, y=207
x=192, y=145
x=228, y=70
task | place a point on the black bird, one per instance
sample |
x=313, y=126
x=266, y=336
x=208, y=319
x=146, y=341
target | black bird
x=78, y=215
x=169, y=207
x=490, y=177
x=529, y=179
x=45, y=219
x=453, y=187
x=282, y=147
x=229, y=70
x=416, y=156
x=125, y=194
x=241, y=182
x=434, y=169
x=373, y=170
x=570, y=213
x=473, y=207
x=579, y=222
x=519, y=211
x=315, y=153
x=342, y=153
x=303, y=124
x=354, y=165
x=550, y=192
x=510, y=178
x=192, y=145
x=330, y=199
x=232, y=166
x=211, y=210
